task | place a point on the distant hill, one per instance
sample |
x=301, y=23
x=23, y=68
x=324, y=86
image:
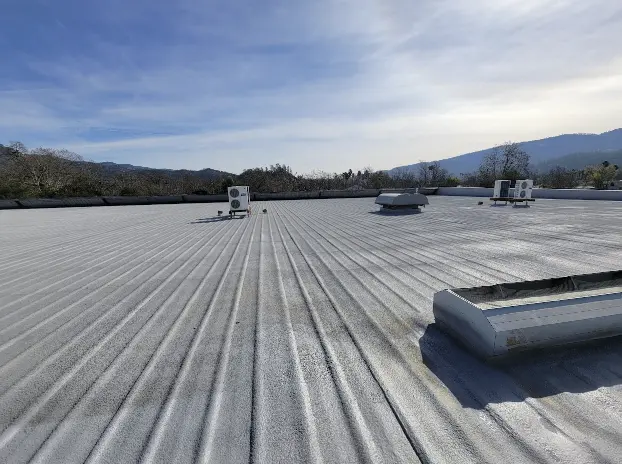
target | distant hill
x=114, y=168
x=205, y=174
x=122, y=167
x=541, y=151
x=579, y=161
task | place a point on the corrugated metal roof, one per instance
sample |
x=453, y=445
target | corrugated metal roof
x=164, y=334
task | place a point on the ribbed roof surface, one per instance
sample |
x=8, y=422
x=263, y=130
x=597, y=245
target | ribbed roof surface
x=163, y=334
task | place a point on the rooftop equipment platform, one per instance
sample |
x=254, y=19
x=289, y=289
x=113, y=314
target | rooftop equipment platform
x=498, y=320
x=393, y=201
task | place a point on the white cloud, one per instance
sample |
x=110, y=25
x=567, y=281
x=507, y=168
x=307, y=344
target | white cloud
x=333, y=85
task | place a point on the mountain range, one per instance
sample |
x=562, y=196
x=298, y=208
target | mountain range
x=205, y=174
x=579, y=161
x=572, y=151
x=111, y=168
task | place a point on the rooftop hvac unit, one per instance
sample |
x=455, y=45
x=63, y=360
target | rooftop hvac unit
x=502, y=189
x=523, y=188
x=239, y=199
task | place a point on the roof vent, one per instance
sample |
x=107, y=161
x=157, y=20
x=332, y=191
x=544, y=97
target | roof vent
x=394, y=201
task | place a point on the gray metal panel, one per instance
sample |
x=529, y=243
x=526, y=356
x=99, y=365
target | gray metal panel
x=121, y=200
x=41, y=203
x=550, y=313
x=87, y=201
x=143, y=200
x=560, y=332
x=8, y=204
x=337, y=193
x=60, y=202
x=560, y=194
x=286, y=195
x=166, y=199
x=555, y=323
x=577, y=194
x=466, y=191
x=464, y=321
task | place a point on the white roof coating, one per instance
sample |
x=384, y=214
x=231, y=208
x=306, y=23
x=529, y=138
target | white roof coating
x=166, y=334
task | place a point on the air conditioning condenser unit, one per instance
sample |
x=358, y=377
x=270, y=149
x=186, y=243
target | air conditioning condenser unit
x=239, y=199
x=523, y=189
x=502, y=189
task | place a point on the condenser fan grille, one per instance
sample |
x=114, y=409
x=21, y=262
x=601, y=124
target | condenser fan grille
x=523, y=194
x=523, y=185
x=234, y=193
x=235, y=204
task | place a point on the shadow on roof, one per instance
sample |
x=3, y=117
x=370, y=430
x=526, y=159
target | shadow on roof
x=397, y=212
x=535, y=374
x=216, y=219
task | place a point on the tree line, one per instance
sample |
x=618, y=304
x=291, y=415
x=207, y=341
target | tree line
x=49, y=173
x=509, y=161
x=57, y=173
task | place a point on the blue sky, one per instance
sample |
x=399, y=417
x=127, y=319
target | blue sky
x=316, y=84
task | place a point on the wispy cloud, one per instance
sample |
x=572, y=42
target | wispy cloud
x=314, y=84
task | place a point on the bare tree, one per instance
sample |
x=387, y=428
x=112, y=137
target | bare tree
x=18, y=148
x=469, y=179
x=561, y=178
x=405, y=179
x=44, y=171
x=423, y=174
x=489, y=169
x=507, y=161
x=438, y=175
x=514, y=161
